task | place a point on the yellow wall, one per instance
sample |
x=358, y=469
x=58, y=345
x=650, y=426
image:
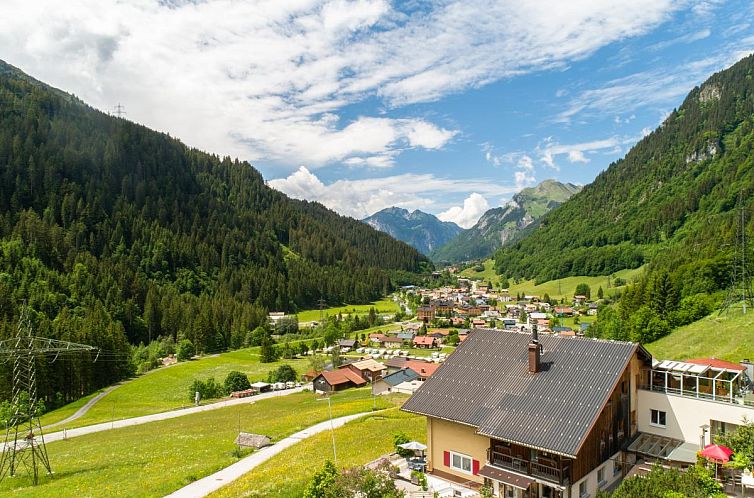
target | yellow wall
x=448, y=436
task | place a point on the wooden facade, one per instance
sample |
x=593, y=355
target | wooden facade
x=612, y=429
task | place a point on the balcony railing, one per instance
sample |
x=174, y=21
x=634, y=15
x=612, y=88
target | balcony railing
x=691, y=392
x=535, y=469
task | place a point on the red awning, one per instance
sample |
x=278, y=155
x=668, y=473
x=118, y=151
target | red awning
x=717, y=452
x=516, y=480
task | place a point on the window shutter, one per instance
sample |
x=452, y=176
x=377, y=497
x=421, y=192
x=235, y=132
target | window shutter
x=446, y=458
x=475, y=467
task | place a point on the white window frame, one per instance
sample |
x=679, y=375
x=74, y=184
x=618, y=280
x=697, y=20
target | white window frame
x=652, y=418
x=601, y=482
x=461, y=469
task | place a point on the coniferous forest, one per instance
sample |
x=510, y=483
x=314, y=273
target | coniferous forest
x=117, y=235
x=674, y=203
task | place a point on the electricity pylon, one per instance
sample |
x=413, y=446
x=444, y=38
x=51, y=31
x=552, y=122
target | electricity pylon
x=741, y=278
x=24, y=440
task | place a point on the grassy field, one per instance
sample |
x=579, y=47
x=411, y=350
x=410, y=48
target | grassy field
x=728, y=336
x=167, y=388
x=359, y=442
x=562, y=287
x=154, y=459
x=382, y=306
x=66, y=411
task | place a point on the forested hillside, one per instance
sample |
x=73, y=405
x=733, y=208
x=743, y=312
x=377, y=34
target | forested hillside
x=117, y=234
x=671, y=201
x=674, y=202
x=500, y=225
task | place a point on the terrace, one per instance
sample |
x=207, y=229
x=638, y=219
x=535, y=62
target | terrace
x=718, y=381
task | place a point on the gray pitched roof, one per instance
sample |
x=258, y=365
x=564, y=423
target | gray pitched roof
x=485, y=383
x=404, y=375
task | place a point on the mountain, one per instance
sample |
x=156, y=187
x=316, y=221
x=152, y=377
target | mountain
x=421, y=230
x=117, y=234
x=500, y=225
x=672, y=201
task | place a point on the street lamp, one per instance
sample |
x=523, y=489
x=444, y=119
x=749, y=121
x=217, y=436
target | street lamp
x=332, y=430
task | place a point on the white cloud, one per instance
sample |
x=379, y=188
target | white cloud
x=270, y=80
x=474, y=206
x=524, y=179
x=360, y=198
x=660, y=88
x=548, y=150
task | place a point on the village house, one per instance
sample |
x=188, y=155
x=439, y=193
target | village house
x=337, y=380
x=369, y=369
x=442, y=307
x=392, y=342
x=346, y=345
x=563, y=311
x=478, y=323
x=425, y=342
x=406, y=335
x=425, y=313
x=579, y=300
x=549, y=422
x=394, y=364
x=423, y=369
x=390, y=383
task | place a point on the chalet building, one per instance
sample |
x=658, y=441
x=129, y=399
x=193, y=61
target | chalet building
x=443, y=307
x=579, y=300
x=425, y=341
x=532, y=417
x=425, y=313
x=561, y=311
x=346, y=345
x=369, y=369
x=336, y=380
x=392, y=365
x=391, y=342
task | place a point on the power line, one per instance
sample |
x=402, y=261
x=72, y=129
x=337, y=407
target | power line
x=24, y=440
x=119, y=111
x=740, y=289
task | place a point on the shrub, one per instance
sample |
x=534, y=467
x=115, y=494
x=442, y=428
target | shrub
x=185, y=350
x=207, y=389
x=236, y=381
x=283, y=373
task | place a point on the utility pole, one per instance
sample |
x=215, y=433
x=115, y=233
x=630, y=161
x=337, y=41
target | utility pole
x=24, y=440
x=332, y=429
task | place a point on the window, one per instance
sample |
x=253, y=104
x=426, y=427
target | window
x=616, y=468
x=601, y=476
x=658, y=418
x=460, y=462
x=582, y=489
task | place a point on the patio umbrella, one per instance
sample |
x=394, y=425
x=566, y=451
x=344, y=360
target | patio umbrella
x=717, y=453
x=413, y=445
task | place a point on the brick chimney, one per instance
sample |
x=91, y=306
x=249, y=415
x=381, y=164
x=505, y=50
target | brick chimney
x=534, y=352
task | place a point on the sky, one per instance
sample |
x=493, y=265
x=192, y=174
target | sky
x=445, y=106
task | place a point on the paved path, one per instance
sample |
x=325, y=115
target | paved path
x=128, y=422
x=215, y=481
x=82, y=411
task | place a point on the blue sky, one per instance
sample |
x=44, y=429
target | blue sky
x=449, y=107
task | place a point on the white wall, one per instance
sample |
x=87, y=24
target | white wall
x=592, y=486
x=685, y=415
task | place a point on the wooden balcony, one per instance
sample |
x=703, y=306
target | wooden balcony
x=534, y=469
